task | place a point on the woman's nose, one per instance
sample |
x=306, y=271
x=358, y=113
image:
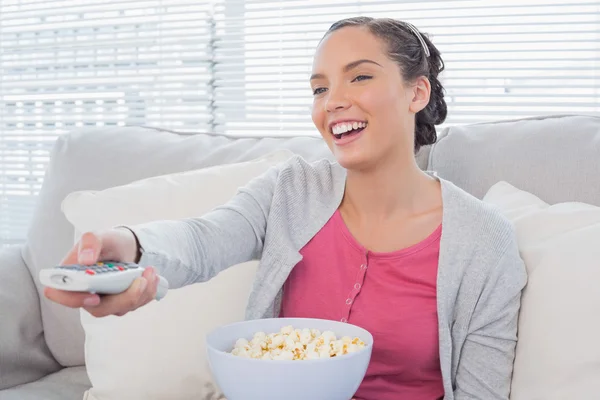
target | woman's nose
x=336, y=101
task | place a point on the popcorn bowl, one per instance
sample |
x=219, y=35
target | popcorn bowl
x=240, y=378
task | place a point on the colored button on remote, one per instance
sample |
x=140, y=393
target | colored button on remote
x=90, y=272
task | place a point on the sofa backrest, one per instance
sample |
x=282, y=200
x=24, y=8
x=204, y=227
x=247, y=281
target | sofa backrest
x=557, y=158
x=554, y=157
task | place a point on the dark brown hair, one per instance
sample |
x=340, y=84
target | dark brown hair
x=405, y=48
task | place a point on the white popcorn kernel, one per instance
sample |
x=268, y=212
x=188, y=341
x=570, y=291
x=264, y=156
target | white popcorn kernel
x=315, y=333
x=275, y=352
x=286, y=330
x=256, y=352
x=298, y=352
x=267, y=356
x=290, y=344
x=337, y=345
x=324, y=353
x=240, y=352
x=258, y=338
x=278, y=341
x=305, y=337
x=350, y=348
x=335, y=348
x=346, y=339
x=241, y=343
x=285, y=355
x=328, y=336
x=294, y=335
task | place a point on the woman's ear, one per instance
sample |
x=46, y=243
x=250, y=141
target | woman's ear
x=419, y=93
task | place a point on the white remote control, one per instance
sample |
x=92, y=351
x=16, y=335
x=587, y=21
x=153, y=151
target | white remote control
x=102, y=278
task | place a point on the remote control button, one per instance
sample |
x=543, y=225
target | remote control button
x=100, y=263
x=110, y=265
x=121, y=268
x=90, y=272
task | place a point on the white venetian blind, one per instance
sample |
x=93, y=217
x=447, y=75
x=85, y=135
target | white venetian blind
x=72, y=64
x=242, y=67
x=504, y=59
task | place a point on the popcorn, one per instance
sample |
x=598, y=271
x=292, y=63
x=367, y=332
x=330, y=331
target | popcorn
x=296, y=344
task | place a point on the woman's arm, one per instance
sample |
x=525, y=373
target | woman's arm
x=486, y=361
x=196, y=249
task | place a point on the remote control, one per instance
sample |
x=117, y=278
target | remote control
x=106, y=277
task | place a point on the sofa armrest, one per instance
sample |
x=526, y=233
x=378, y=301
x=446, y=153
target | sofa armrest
x=24, y=355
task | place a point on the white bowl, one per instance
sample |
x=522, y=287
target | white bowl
x=239, y=378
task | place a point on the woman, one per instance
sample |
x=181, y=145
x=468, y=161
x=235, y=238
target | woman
x=359, y=240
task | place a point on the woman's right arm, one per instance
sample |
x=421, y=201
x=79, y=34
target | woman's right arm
x=197, y=249
x=184, y=251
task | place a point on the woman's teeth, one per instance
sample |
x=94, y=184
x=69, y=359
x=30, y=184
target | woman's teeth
x=344, y=127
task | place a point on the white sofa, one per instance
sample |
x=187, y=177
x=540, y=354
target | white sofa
x=42, y=345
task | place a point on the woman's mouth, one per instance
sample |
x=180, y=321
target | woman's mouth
x=345, y=129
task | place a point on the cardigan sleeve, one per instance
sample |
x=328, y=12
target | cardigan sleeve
x=197, y=249
x=486, y=362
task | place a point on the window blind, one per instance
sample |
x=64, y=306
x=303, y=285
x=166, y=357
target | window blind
x=242, y=67
x=504, y=59
x=71, y=64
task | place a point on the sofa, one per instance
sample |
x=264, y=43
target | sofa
x=42, y=344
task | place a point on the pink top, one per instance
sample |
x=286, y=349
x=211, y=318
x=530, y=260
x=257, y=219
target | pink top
x=392, y=295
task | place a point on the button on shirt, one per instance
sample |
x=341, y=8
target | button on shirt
x=392, y=295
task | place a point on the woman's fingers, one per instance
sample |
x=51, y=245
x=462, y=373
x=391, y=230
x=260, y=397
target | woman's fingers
x=86, y=251
x=89, y=248
x=141, y=292
x=150, y=292
x=71, y=299
x=120, y=304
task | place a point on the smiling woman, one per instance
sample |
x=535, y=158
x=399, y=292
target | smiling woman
x=370, y=240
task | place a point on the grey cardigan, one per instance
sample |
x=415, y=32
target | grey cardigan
x=480, y=274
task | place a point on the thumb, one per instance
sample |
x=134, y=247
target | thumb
x=89, y=248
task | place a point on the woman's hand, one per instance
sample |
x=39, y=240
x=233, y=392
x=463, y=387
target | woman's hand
x=112, y=245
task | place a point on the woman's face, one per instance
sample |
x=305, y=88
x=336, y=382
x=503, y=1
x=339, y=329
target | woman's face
x=362, y=107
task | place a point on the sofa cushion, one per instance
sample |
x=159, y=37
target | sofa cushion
x=557, y=355
x=176, y=327
x=554, y=157
x=24, y=355
x=66, y=384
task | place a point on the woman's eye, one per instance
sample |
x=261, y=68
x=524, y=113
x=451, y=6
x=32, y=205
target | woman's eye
x=362, y=78
x=318, y=91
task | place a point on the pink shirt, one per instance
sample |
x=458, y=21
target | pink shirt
x=392, y=295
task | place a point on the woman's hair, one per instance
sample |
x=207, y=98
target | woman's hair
x=405, y=48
